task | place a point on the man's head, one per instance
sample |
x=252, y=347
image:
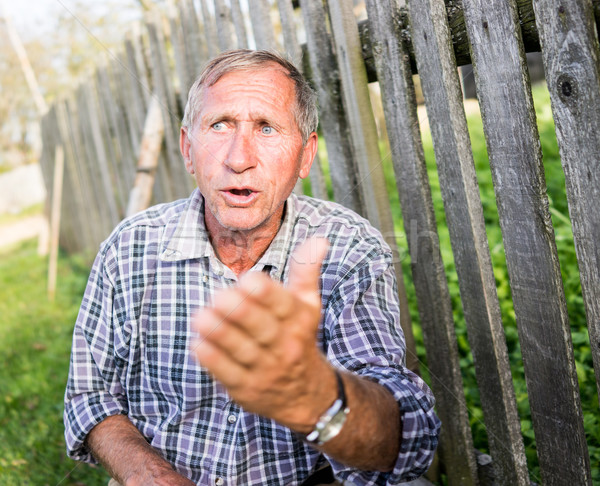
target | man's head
x=305, y=109
x=247, y=135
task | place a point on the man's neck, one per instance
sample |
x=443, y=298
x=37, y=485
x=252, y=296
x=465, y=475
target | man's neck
x=240, y=250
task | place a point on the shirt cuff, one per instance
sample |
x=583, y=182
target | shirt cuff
x=82, y=414
x=420, y=429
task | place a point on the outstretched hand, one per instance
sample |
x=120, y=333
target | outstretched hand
x=259, y=341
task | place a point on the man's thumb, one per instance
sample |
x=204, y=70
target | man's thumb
x=305, y=267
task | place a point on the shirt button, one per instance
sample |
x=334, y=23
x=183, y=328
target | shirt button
x=232, y=419
x=219, y=481
x=205, y=278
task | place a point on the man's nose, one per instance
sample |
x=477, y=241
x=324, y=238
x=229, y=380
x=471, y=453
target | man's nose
x=241, y=154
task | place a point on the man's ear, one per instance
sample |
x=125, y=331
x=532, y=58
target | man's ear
x=186, y=148
x=308, y=155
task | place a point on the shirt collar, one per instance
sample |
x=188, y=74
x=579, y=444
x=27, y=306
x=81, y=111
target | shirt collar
x=186, y=237
x=275, y=258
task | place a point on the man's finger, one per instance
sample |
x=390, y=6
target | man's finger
x=229, y=337
x=225, y=369
x=270, y=294
x=305, y=268
x=248, y=314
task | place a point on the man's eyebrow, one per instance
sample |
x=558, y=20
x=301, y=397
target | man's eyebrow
x=226, y=115
x=210, y=118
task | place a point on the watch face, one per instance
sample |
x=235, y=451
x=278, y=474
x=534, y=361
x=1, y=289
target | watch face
x=334, y=426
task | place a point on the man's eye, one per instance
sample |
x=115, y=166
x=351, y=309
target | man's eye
x=267, y=130
x=218, y=126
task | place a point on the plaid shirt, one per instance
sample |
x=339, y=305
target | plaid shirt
x=130, y=346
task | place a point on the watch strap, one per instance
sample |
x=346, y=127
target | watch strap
x=330, y=423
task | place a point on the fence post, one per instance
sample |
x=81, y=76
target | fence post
x=154, y=129
x=59, y=160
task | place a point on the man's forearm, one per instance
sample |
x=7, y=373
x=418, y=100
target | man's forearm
x=118, y=445
x=370, y=438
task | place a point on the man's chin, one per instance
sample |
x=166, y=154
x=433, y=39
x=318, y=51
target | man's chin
x=243, y=220
x=240, y=223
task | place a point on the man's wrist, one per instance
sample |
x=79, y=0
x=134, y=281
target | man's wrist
x=331, y=422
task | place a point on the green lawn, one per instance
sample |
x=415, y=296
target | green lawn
x=35, y=343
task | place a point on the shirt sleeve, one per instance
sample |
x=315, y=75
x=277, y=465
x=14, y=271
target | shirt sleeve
x=93, y=389
x=362, y=333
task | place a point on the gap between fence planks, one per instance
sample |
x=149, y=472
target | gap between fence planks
x=154, y=130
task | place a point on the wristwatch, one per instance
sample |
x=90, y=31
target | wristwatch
x=331, y=422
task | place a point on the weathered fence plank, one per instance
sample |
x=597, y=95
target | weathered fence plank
x=83, y=217
x=195, y=49
x=288, y=27
x=136, y=83
x=179, y=182
x=540, y=308
x=89, y=211
x=421, y=230
x=225, y=31
x=572, y=63
x=365, y=146
x=105, y=175
x=154, y=129
x=122, y=115
x=464, y=216
x=139, y=84
x=112, y=136
x=239, y=24
x=98, y=195
x=333, y=121
x=363, y=133
x=262, y=26
x=181, y=67
x=208, y=22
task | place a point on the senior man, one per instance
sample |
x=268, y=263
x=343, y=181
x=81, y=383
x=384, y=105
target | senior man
x=246, y=335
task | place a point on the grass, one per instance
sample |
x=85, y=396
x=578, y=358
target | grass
x=35, y=342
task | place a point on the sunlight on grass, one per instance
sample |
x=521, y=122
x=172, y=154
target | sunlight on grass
x=35, y=343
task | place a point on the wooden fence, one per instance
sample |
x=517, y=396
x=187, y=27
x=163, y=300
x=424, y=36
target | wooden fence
x=101, y=126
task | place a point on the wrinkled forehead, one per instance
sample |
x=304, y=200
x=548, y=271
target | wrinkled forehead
x=215, y=75
x=285, y=92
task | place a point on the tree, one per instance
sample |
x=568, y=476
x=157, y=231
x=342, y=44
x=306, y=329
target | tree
x=84, y=35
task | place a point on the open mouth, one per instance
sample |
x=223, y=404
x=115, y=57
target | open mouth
x=240, y=192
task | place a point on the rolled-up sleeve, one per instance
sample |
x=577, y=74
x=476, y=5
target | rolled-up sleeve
x=93, y=391
x=361, y=333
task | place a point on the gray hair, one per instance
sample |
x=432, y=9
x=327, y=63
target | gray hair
x=305, y=109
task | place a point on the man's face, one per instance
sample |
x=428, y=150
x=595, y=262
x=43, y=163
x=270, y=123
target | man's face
x=245, y=149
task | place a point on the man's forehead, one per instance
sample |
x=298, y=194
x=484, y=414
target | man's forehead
x=240, y=82
x=250, y=71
